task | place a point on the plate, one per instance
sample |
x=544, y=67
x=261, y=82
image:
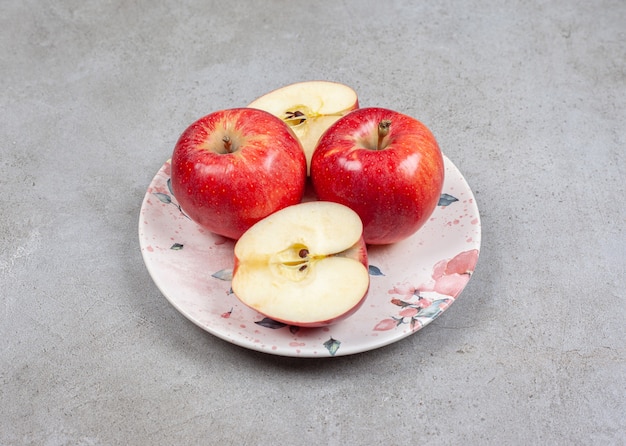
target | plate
x=412, y=282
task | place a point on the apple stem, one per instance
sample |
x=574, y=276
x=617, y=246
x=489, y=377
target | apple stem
x=227, y=144
x=383, y=130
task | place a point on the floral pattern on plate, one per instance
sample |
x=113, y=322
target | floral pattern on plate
x=412, y=282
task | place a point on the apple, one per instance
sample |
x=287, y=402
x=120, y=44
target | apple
x=305, y=265
x=384, y=165
x=309, y=108
x=235, y=167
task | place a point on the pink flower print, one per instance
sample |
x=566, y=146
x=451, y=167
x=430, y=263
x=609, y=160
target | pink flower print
x=408, y=312
x=451, y=285
x=405, y=290
x=411, y=297
x=462, y=263
x=451, y=276
x=440, y=268
x=386, y=324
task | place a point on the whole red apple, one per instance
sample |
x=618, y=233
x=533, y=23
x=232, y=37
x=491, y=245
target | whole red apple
x=383, y=164
x=235, y=167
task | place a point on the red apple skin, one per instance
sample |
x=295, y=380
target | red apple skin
x=358, y=252
x=227, y=193
x=395, y=189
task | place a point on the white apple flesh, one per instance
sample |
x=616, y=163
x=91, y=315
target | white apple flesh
x=309, y=108
x=305, y=265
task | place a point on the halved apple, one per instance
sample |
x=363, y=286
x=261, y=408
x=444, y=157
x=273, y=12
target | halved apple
x=305, y=265
x=309, y=108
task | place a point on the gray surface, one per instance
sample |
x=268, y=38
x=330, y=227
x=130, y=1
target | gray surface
x=528, y=100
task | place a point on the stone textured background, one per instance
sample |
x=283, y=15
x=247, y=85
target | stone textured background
x=528, y=99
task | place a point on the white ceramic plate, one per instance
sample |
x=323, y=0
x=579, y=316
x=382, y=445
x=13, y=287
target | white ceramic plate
x=412, y=282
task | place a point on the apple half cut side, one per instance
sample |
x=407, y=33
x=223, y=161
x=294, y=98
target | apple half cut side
x=309, y=108
x=305, y=265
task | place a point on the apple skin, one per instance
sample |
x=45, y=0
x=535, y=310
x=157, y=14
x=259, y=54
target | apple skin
x=394, y=188
x=227, y=192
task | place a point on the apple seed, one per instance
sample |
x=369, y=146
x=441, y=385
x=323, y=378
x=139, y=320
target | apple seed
x=295, y=118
